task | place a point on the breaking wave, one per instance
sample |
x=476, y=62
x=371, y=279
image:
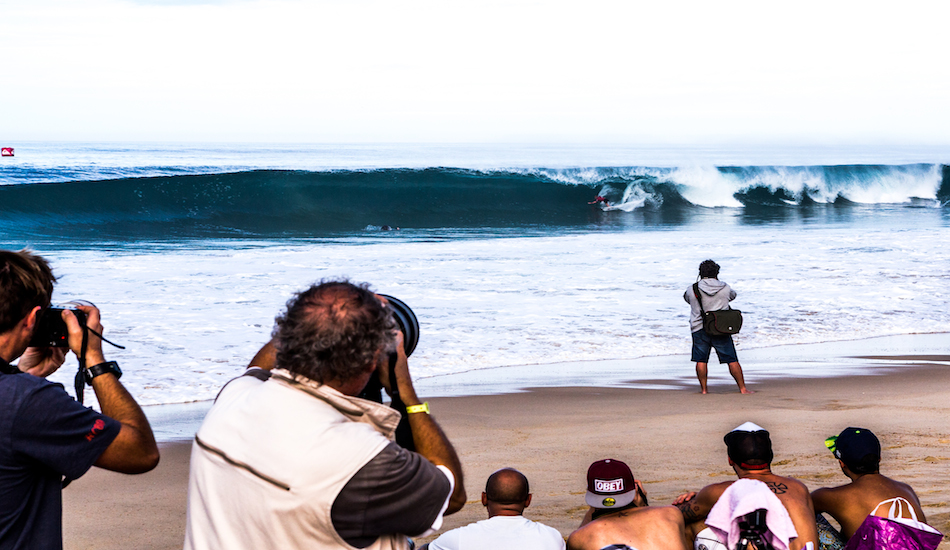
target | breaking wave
x=321, y=203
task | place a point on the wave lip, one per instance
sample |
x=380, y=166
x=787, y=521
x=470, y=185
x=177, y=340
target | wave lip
x=736, y=186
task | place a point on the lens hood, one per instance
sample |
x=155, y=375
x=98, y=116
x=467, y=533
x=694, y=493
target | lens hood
x=407, y=321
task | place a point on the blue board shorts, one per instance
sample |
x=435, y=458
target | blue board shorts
x=703, y=343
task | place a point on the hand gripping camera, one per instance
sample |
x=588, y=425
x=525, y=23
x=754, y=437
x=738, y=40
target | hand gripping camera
x=51, y=331
x=409, y=325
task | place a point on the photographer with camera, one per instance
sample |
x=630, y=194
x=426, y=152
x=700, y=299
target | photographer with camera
x=290, y=457
x=49, y=438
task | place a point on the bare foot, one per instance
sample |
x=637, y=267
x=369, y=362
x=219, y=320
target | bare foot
x=746, y=391
x=704, y=392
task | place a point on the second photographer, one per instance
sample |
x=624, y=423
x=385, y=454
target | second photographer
x=289, y=456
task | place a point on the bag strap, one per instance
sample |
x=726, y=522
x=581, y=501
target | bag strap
x=897, y=505
x=702, y=312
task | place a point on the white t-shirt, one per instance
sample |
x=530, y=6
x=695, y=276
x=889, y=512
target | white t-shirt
x=501, y=533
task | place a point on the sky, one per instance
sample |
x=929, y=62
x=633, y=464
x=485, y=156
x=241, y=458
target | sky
x=514, y=71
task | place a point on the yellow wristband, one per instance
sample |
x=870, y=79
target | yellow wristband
x=423, y=408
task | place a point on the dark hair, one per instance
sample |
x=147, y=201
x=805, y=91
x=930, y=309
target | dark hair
x=507, y=486
x=749, y=448
x=709, y=269
x=332, y=331
x=859, y=449
x=869, y=464
x=26, y=281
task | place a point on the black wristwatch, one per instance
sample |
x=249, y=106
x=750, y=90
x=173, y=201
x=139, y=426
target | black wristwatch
x=102, y=368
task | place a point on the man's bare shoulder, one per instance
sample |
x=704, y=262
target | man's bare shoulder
x=840, y=491
x=782, y=486
x=651, y=513
x=869, y=490
x=667, y=514
x=637, y=515
x=627, y=525
x=835, y=499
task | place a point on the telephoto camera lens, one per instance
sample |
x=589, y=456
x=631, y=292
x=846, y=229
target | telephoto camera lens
x=407, y=321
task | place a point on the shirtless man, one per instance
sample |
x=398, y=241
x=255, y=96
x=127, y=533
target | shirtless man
x=750, y=455
x=619, y=516
x=859, y=455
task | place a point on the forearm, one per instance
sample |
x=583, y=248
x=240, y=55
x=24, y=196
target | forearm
x=432, y=443
x=134, y=450
x=696, y=507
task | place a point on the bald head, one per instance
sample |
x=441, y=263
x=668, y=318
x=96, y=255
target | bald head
x=506, y=493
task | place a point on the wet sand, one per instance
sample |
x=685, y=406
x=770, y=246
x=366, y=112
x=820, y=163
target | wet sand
x=671, y=438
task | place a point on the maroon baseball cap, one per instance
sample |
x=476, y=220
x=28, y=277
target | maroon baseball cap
x=610, y=484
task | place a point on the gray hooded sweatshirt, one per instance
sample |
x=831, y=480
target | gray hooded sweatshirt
x=716, y=295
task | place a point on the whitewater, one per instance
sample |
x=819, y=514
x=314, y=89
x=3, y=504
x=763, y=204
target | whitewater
x=190, y=253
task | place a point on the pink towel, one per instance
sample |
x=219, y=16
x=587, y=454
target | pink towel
x=746, y=496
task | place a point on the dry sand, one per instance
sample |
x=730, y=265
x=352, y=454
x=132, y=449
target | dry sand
x=672, y=439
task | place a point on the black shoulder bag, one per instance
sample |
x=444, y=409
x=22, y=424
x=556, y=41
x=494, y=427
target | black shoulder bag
x=721, y=322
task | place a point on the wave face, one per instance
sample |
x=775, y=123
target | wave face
x=323, y=203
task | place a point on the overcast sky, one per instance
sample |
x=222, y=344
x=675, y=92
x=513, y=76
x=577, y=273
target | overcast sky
x=461, y=71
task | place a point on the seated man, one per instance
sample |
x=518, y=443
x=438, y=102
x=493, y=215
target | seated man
x=853, y=505
x=749, y=449
x=620, y=516
x=505, y=498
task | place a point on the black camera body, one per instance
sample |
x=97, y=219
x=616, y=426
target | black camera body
x=51, y=331
x=752, y=530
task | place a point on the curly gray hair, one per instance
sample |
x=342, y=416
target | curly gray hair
x=332, y=331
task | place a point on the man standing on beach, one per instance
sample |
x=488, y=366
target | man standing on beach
x=620, y=517
x=862, y=506
x=716, y=296
x=749, y=449
x=505, y=498
x=289, y=457
x=49, y=438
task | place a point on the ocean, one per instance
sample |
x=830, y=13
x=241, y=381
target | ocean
x=191, y=250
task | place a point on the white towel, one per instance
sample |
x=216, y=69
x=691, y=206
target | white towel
x=746, y=496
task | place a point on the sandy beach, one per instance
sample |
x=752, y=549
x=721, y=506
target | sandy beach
x=671, y=438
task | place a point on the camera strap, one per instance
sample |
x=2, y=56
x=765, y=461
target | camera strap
x=394, y=387
x=403, y=430
x=7, y=368
x=80, y=381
